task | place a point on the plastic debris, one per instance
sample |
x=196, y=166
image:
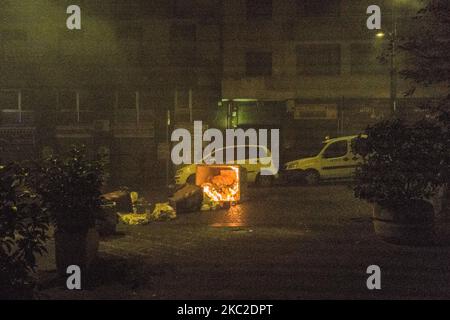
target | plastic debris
x=134, y=218
x=205, y=207
x=121, y=198
x=163, y=212
x=209, y=205
x=134, y=198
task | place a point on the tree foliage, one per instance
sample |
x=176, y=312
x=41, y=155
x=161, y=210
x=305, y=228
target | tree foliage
x=402, y=162
x=23, y=230
x=70, y=188
x=429, y=49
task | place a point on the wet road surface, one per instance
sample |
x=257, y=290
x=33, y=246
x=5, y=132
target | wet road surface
x=281, y=243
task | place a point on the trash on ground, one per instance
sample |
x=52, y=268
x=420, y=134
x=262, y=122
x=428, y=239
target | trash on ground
x=134, y=196
x=189, y=198
x=134, y=218
x=209, y=205
x=106, y=219
x=163, y=212
x=121, y=198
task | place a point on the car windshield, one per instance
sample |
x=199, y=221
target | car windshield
x=311, y=151
x=238, y=151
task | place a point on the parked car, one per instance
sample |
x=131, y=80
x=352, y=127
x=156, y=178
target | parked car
x=335, y=160
x=186, y=174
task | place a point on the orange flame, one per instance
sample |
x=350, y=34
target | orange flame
x=225, y=194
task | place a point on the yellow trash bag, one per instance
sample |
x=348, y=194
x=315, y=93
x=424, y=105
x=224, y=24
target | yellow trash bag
x=163, y=212
x=134, y=218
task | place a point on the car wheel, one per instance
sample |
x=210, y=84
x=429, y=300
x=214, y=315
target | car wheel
x=311, y=177
x=191, y=179
x=264, y=181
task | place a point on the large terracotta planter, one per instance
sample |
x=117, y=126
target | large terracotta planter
x=411, y=224
x=75, y=248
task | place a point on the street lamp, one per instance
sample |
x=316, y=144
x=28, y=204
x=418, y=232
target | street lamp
x=392, y=37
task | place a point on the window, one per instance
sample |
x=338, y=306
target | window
x=258, y=64
x=17, y=106
x=336, y=150
x=183, y=45
x=127, y=107
x=9, y=99
x=183, y=98
x=86, y=104
x=318, y=8
x=29, y=99
x=68, y=107
x=40, y=98
x=67, y=100
x=76, y=106
x=88, y=100
x=155, y=99
x=259, y=9
x=248, y=152
x=126, y=100
x=324, y=59
x=98, y=100
x=182, y=56
x=13, y=47
x=364, y=59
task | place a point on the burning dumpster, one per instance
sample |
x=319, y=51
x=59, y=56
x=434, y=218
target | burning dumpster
x=222, y=183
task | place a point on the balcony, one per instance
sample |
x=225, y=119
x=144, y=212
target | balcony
x=14, y=117
x=133, y=130
x=14, y=135
x=257, y=88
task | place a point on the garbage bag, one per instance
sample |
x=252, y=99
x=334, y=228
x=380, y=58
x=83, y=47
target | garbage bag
x=187, y=199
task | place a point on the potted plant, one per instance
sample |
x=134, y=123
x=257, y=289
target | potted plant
x=23, y=233
x=70, y=188
x=402, y=169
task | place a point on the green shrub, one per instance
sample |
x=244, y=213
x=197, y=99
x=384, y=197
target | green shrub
x=23, y=231
x=70, y=188
x=402, y=162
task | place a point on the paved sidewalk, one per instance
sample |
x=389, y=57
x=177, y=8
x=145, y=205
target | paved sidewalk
x=283, y=243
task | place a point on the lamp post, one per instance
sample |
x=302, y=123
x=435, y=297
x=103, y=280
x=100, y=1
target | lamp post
x=392, y=36
x=393, y=60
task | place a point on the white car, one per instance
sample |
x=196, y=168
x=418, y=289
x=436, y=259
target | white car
x=186, y=174
x=335, y=160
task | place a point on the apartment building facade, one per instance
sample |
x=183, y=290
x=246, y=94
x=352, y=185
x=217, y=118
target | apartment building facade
x=138, y=69
x=312, y=67
x=115, y=85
